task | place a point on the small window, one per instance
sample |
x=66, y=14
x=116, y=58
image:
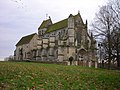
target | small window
x=42, y=31
x=63, y=31
x=67, y=49
x=76, y=51
x=59, y=34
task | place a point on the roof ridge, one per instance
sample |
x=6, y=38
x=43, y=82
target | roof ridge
x=59, y=21
x=29, y=35
x=57, y=25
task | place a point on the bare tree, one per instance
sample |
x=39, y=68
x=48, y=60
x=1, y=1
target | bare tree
x=102, y=27
x=116, y=46
x=115, y=7
x=106, y=27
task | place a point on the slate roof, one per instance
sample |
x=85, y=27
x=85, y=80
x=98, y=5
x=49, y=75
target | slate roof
x=25, y=39
x=44, y=23
x=56, y=26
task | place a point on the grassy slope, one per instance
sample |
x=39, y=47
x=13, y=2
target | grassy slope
x=26, y=76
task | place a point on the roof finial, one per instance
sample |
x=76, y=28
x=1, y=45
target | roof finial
x=70, y=15
x=49, y=17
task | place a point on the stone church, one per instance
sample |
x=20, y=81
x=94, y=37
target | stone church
x=60, y=41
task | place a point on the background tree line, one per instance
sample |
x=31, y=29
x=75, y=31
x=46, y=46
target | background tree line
x=106, y=28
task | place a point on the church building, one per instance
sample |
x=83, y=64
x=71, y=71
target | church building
x=65, y=41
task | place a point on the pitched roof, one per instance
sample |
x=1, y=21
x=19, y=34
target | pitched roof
x=59, y=25
x=25, y=39
x=44, y=23
x=56, y=26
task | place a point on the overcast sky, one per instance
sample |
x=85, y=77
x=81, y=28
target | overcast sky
x=22, y=17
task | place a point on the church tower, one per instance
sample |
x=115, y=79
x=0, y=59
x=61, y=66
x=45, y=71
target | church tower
x=71, y=36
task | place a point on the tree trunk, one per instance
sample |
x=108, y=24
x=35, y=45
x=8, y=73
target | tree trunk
x=118, y=62
x=109, y=46
x=118, y=59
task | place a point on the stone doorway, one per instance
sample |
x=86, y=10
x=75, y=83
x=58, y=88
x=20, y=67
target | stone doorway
x=82, y=60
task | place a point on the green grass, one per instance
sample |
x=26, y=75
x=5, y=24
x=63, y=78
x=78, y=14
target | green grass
x=36, y=76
